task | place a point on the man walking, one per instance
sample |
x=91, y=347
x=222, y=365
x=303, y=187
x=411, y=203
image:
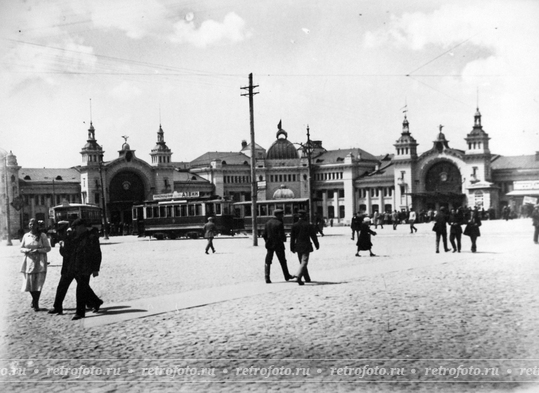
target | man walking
x=81, y=259
x=440, y=227
x=275, y=238
x=210, y=230
x=300, y=242
x=355, y=225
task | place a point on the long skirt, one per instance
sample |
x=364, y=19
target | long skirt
x=33, y=281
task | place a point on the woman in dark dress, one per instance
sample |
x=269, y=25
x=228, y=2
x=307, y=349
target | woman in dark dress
x=472, y=228
x=364, y=238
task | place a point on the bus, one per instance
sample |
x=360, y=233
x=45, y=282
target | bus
x=265, y=210
x=172, y=219
x=64, y=215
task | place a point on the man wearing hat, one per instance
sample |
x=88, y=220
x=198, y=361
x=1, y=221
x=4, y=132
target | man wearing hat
x=81, y=259
x=210, y=230
x=300, y=242
x=275, y=238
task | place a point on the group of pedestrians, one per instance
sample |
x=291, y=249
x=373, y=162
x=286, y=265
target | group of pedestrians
x=81, y=259
x=302, y=238
x=456, y=219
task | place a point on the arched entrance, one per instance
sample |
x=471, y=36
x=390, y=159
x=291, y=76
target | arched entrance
x=125, y=189
x=443, y=186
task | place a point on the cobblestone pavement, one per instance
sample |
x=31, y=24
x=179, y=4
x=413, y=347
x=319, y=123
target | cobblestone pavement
x=415, y=321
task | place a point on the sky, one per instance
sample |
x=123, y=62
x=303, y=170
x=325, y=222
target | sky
x=348, y=69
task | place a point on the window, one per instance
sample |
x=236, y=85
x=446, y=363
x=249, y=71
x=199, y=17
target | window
x=341, y=193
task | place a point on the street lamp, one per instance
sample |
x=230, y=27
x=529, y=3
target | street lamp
x=103, y=201
x=4, y=155
x=308, y=149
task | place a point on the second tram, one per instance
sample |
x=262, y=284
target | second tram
x=184, y=218
x=265, y=211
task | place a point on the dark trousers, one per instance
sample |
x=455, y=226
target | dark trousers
x=474, y=245
x=442, y=235
x=536, y=234
x=210, y=245
x=452, y=238
x=85, y=294
x=412, y=227
x=282, y=260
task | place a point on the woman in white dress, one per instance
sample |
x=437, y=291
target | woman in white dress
x=35, y=246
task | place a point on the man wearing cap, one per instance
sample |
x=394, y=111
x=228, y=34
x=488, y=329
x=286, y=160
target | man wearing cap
x=81, y=259
x=210, y=230
x=300, y=242
x=275, y=238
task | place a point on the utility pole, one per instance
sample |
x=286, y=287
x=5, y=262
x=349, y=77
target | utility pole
x=254, y=188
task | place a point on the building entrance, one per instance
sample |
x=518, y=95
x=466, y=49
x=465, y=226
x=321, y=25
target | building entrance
x=125, y=189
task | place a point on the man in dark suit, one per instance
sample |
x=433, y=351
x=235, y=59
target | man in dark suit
x=81, y=260
x=275, y=238
x=300, y=242
x=440, y=227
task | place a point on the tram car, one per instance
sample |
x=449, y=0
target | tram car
x=265, y=211
x=172, y=219
x=64, y=215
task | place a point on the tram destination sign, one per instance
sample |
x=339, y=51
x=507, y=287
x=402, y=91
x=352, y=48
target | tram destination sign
x=177, y=194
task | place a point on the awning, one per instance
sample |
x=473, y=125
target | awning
x=523, y=193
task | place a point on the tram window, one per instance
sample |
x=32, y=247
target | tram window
x=209, y=209
x=149, y=212
x=162, y=211
x=218, y=209
x=191, y=210
x=288, y=209
x=177, y=211
x=198, y=209
x=183, y=210
x=156, y=212
x=263, y=209
x=169, y=211
x=248, y=210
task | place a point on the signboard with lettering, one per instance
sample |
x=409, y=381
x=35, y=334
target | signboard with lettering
x=177, y=194
x=530, y=200
x=526, y=185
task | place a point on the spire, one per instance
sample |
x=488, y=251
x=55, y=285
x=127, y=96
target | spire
x=477, y=119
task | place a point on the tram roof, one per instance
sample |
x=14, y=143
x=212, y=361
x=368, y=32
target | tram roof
x=274, y=201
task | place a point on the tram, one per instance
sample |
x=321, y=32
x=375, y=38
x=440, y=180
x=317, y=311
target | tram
x=171, y=219
x=265, y=211
x=64, y=215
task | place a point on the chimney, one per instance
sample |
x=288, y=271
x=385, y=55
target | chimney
x=243, y=144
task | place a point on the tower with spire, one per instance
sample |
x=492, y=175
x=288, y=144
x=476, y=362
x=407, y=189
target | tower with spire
x=161, y=161
x=405, y=161
x=477, y=154
x=92, y=156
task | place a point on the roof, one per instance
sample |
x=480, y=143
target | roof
x=230, y=158
x=185, y=176
x=48, y=174
x=515, y=162
x=337, y=156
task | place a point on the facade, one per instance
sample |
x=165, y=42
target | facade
x=341, y=182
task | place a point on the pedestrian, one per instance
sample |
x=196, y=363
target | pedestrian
x=210, y=231
x=535, y=223
x=395, y=219
x=411, y=220
x=300, y=242
x=364, y=239
x=456, y=220
x=440, y=227
x=67, y=275
x=354, y=225
x=35, y=246
x=319, y=224
x=472, y=228
x=82, y=259
x=275, y=237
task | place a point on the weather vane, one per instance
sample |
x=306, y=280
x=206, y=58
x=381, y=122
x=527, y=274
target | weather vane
x=441, y=126
x=125, y=137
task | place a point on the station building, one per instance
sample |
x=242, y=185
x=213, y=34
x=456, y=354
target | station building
x=341, y=182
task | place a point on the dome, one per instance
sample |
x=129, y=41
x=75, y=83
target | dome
x=126, y=146
x=282, y=148
x=283, y=193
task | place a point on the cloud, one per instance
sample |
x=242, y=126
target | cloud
x=210, y=32
x=136, y=18
x=125, y=92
